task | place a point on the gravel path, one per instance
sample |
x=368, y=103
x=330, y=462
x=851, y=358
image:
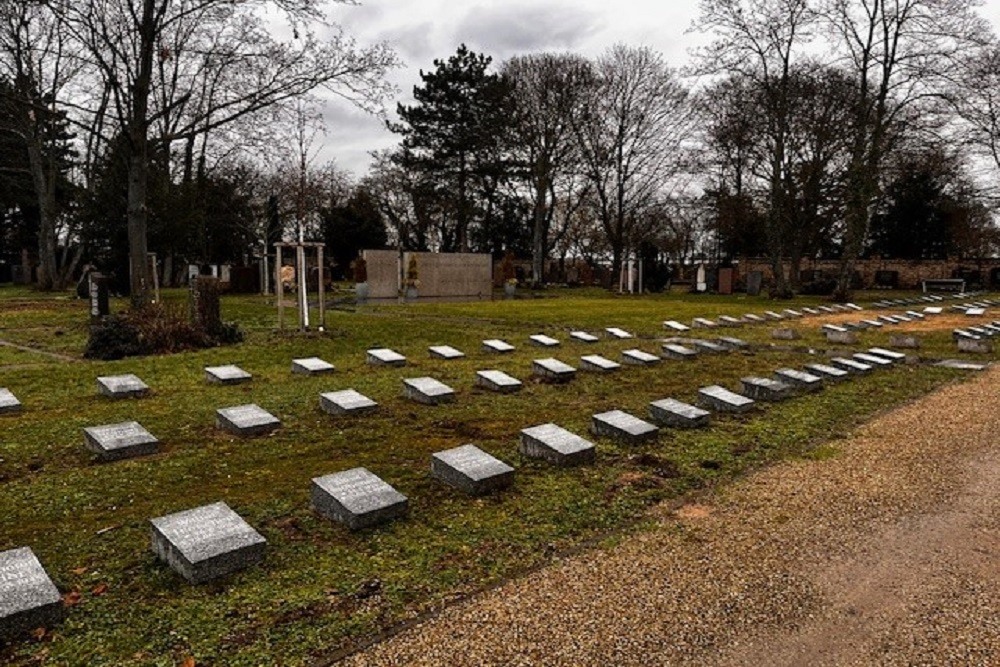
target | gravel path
x=886, y=554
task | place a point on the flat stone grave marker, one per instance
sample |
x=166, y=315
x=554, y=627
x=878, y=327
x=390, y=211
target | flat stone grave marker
x=753, y=318
x=799, y=379
x=428, y=391
x=311, y=366
x=978, y=331
x=675, y=326
x=229, y=374
x=246, y=420
x=791, y=313
x=639, y=358
x=853, y=306
x=383, y=356
x=891, y=355
x=852, y=365
x=357, y=498
x=991, y=329
x=975, y=312
x=552, y=370
x=728, y=321
x=785, y=334
x=914, y=315
x=122, y=386
x=446, y=352
x=962, y=365
x=498, y=381
x=708, y=346
x=731, y=343
x=674, y=351
x=206, y=542
x=471, y=470
x=556, y=445
x=126, y=440
x=975, y=346
x=828, y=372
x=904, y=341
x=543, y=341
x=497, y=346
x=615, y=332
x=773, y=315
x=874, y=324
x=346, y=402
x=854, y=326
x=765, y=389
x=721, y=399
x=703, y=323
x=28, y=598
x=827, y=309
x=671, y=412
x=623, y=427
x=583, y=336
x=810, y=311
x=9, y=404
x=598, y=364
x=958, y=334
x=833, y=327
x=872, y=359
x=903, y=318
x=842, y=337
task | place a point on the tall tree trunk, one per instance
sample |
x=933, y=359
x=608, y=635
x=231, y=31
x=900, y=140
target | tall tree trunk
x=48, y=263
x=539, y=234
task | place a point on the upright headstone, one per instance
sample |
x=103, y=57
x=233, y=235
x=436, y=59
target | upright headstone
x=623, y=427
x=99, y=298
x=9, y=404
x=357, y=498
x=755, y=280
x=246, y=420
x=428, y=391
x=346, y=402
x=556, y=445
x=311, y=366
x=28, y=598
x=671, y=412
x=229, y=374
x=113, y=442
x=122, y=386
x=842, y=337
x=498, y=381
x=206, y=543
x=471, y=470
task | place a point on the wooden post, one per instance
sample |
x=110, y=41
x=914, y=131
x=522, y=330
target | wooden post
x=279, y=287
x=300, y=257
x=322, y=294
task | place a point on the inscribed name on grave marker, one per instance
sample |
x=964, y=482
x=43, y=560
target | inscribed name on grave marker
x=28, y=598
x=799, y=379
x=346, y=402
x=765, y=389
x=471, y=470
x=498, y=381
x=671, y=412
x=428, y=391
x=623, y=427
x=357, y=498
x=121, y=386
x=556, y=445
x=112, y=442
x=229, y=374
x=721, y=399
x=246, y=420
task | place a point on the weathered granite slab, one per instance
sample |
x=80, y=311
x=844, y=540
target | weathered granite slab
x=556, y=445
x=428, y=391
x=773, y=315
x=229, y=374
x=833, y=327
x=873, y=324
x=810, y=311
x=785, y=334
x=675, y=326
x=498, y=381
x=975, y=346
x=552, y=370
x=728, y=321
x=801, y=380
x=383, y=356
x=828, y=372
x=9, y=404
x=958, y=334
x=542, y=340
x=852, y=365
x=975, y=312
x=497, y=346
x=28, y=598
x=730, y=343
x=639, y=358
x=888, y=319
x=872, y=359
x=621, y=334
x=788, y=312
x=246, y=420
x=827, y=309
x=583, y=336
x=122, y=386
x=703, y=323
x=598, y=364
x=357, y=498
x=914, y=315
x=206, y=543
x=753, y=318
x=962, y=365
x=708, y=346
x=623, y=427
x=346, y=402
x=471, y=470
x=311, y=366
x=678, y=414
x=891, y=355
x=765, y=389
x=721, y=399
x=853, y=306
x=674, y=351
x=933, y=310
x=446, y=352
x=126, y=440
x=843, y=337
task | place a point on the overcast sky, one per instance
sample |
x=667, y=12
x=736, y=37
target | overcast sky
x=422, y=30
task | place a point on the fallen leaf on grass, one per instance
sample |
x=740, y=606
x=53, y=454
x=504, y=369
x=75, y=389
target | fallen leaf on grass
x=188, y=662
x=72, y=598
x=100, y=589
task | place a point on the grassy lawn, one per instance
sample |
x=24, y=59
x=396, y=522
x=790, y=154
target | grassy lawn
x=323, y=587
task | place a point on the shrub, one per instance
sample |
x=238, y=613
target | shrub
x=115, y=338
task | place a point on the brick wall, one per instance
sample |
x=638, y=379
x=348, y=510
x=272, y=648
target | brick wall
x=910, y=272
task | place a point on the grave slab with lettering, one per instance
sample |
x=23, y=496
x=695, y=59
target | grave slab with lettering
x=383, y=356
x=471, y=470
x=446, y=352
x=428, y=391
x=346, y=402
x=615, y=332
x=552, y=370
x=708, y=346
x=703, y=323
x=678, y=414
x=721, y=399
x=852, y=365
x=556, y=445
x=583, y=336
x=765, y=389
x=872, y=360
x=126, y=440
x=891, y=355
x=498, y=381
x=623, y=427
x=9, y=404
x=785, y=333
x=828, y=372
x=675, y=326
x=229, y=374
x=639, y=358
x=122, y=386
x=246, y=420
x=311, y=366
x=357, y=498
x=598, y=364
x=28, y=598
x=497, y=346
x=206, y=543
x=542, y=340
x=801, y=380
x=674, y=351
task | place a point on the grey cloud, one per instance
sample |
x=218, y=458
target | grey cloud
x=504, y=31
x=412, y=43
